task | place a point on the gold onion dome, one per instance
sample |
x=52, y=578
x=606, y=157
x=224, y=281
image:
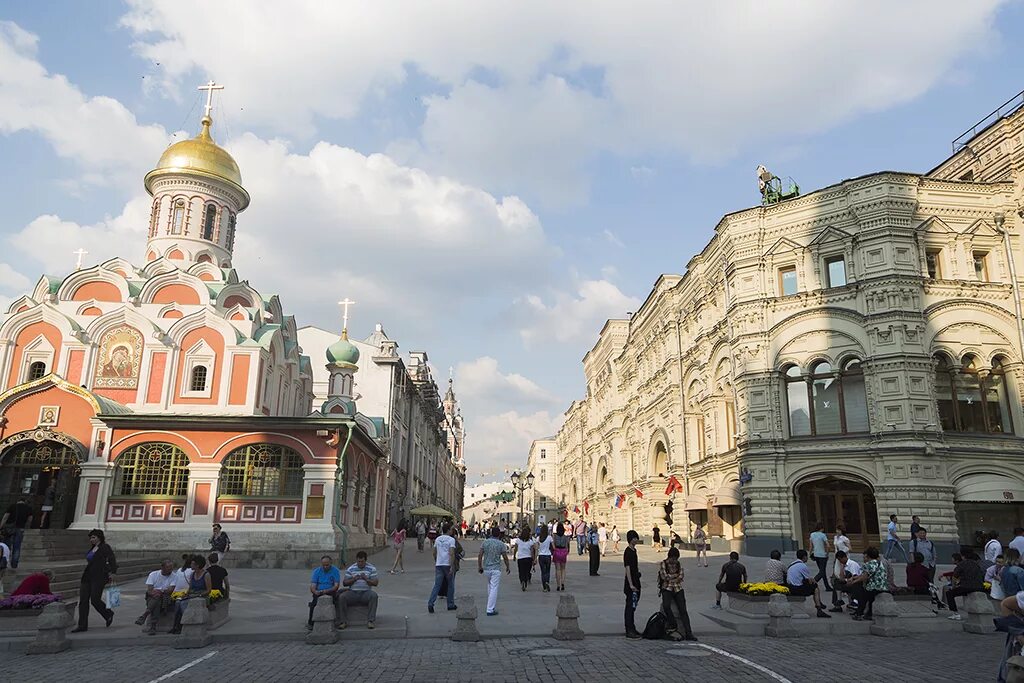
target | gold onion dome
x=200, y=156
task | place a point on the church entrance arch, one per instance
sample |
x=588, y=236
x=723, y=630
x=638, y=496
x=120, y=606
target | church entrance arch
x=834, y=500
x=29, y=467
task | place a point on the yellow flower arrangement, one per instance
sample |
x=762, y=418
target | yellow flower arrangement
x=216, y=594
x=178, y=595
x=763, y=589
x=987, y=586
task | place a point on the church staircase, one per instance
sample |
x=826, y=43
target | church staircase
x=62, y=551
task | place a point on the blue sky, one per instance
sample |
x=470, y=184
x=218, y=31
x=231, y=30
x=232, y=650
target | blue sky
x=489, y=182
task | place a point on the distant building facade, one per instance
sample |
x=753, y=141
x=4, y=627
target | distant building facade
x=542, y=500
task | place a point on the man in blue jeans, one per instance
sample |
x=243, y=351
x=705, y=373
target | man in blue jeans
x=444, y=567
x=893, y=541
x=17, y=518
x=326, y=580
x=581, y=535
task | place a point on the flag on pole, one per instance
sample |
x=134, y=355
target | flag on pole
x=586, y=507
x=639, y=493
x=673, y=486
x=621, y=501
x=576, y=508
x=613, y=502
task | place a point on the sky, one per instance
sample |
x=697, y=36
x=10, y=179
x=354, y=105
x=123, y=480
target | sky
x=489, y=181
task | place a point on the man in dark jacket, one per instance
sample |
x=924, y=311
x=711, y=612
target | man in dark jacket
x=17, y=518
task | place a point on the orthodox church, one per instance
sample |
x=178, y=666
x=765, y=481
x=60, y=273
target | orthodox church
x=155, y=400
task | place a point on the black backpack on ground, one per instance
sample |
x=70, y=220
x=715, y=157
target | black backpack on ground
x=656, y=628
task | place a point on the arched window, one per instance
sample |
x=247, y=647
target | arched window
x=198, y=379
x=178, y=217
x=151, y=469
x=209, y=218
x=825, y=401
x=37, y=370
x=971, y=399
x=264, y=470
x=229, y=241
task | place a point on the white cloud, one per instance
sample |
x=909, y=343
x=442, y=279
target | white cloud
x=572, y=317
x=612, y=238
x=567, y=81
x=481, y=382
x=642, y=174
x=98, y=133
x=503, y=439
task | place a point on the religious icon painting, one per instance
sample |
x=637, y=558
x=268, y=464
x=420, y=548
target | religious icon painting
x=48, y=416
x=120, y=357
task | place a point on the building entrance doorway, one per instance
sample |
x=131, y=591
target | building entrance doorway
x=833, y=501
x=28, y=470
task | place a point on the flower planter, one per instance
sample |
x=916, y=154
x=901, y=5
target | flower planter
x=25, y=619
x=756, y=606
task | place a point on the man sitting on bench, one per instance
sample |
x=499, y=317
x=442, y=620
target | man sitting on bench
x=800, y=581
x=325, y=580
x=359, y=579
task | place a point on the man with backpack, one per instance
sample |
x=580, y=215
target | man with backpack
x=594, y=549
x=922, y=545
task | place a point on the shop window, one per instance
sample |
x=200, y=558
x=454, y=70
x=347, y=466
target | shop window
x=970, y=399
x=826, y=402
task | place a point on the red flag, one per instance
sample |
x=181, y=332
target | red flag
x=639, y=493
x=576, y=508
x=586, y=508
x=673, y=486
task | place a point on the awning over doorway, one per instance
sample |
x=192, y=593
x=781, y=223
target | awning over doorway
x=430, y=511
x=728, y=495
x=988, y=488
x=695, y=501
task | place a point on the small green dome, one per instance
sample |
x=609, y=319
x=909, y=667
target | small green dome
x=343, y=352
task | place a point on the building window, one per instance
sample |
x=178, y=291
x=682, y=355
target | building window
x=543, y=475
x=730, y=425
x=701, y=444
x=981, y=266
x=543, y=453
x=37, y=370
x=932, y=259
x=826, y=402
x=152, y=469
x=178, y=219
x=198, y=381
x=543, y=502
x=835, y=271
x=970, y=400
x=229, y=242
x=264, y=469
x=209, y=218
x=787, y=280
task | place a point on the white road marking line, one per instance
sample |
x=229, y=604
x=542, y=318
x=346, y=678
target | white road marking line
x=183, y=667
x=753, y=665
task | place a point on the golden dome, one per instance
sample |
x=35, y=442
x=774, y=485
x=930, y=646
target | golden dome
x=201, y=156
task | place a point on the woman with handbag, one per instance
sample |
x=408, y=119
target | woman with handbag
x=101, y=565
x=559, y=555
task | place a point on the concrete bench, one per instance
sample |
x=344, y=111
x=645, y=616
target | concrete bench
x=219, y=613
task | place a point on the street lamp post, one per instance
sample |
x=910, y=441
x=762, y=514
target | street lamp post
x=521, y=486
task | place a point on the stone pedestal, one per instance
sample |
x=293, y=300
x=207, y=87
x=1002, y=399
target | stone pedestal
x=568, y=613
x=886, y=617
x=979, y=613
x=465, y=621
x=323, y=632
x=194, y=624
x=780, y=617
x=1015, y=669
x=51, y=633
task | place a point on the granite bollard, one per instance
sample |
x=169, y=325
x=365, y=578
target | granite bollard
x=194, y=623
x=886, y=617
x=51, y=636
x=568, y=614
x=323, y=632
x=780, y=617
x=465, y=621
x=979, y=613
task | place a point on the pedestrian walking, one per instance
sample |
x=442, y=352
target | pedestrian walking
x=581, y=535
x=526, y=556
x=819, y=551
x=219, y=542
x=656, y=543
x=892, y=540
x=47, y=508
x=398, y=543
x=100, y=568
x=492, y=552
x=615, y=538
x=14, y=522
x=444, y=570
x=594, y=550
x=915, y=524
x=559, y=555
x=545, y=546
x=700, y=540
x=421, y=535
x=631, y=583
x=670, y=583
x=602, y=538
x=432, y=533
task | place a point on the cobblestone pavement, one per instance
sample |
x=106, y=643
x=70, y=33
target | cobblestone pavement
x=937, y=657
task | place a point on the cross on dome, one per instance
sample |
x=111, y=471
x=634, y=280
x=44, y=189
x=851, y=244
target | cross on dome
x=80, y=253
x=209, y=88
x=345, y=303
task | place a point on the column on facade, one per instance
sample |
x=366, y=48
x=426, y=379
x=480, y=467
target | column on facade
x=203, y=488
x=317, y=494
x=94, y=488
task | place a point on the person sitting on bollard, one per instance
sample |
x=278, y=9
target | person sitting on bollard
x=800, y=581
x=326, y=580
x=159, y=586
x=218, y=575
x=199, y=586
x=360, y=578
x=845, y=569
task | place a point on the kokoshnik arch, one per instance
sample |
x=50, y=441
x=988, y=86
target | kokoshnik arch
x=838, y=357
x=160, y=398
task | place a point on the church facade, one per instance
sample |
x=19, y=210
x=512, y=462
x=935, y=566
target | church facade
x=837, y=357
x=152, y=400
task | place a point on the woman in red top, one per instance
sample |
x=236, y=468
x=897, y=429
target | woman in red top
x=35, y=584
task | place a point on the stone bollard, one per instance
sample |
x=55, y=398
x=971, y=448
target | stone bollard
x=52, y=634
x=323, y=632
x=193, y=625
x=886, y=617
x=780, y=617
x=568, y=624
x=979, y=613
x=1015, y=669
x=465, y=621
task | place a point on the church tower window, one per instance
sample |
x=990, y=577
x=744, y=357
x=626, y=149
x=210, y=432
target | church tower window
x=198, y=380
x=229, y=241
x=209, y=218
x=37, y=370
x=178, y=217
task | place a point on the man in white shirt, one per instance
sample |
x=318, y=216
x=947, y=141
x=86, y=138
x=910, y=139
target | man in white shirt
x=845, y=569
x=892, y=540
x=993, y=548
x=159, y=586
x=1018, y=540
x=444, y=567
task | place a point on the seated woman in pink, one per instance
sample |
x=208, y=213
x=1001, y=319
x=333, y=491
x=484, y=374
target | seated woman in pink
x=35, y=584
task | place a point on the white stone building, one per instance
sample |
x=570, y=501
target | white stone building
x=847, y=354
x=542, y=500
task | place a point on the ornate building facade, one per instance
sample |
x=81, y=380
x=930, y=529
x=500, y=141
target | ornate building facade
x=839, y=357
x=159, y=399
